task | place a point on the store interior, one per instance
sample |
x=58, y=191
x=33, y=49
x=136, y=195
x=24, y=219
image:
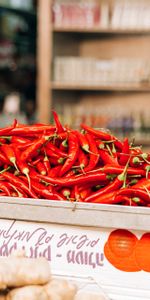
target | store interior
x=88, y=60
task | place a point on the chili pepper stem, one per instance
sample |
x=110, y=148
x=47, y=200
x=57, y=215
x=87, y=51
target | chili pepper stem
x=18, y=193
x=5, y=170
x=26, y=173
x=13, y=160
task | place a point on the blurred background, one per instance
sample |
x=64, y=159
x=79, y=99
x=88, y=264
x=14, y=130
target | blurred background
x=87, y=59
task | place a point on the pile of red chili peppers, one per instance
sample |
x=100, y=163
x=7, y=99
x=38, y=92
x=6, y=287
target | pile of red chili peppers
x=58, y=163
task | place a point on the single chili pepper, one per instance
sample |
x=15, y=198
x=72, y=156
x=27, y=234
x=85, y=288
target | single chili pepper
x=125, y=200
x=80, y=179
x=117, y=170
x=4, y=159
x=24, y=146
x=119, y=182
x=83, y=141
x=7, y=130
x=125, y=152
x=42, y=191
x=84, y=193
x=3, y=194
x=33, y=129
x=54, y=172
x=72, y=154
x=31, y=150
x=18, y=183
x=83, y=159
x=50, y=146
x=59, y=127
x=109, y=198
x=62, y=136
x=77, y=194
x=107, y=159
x=46, y=163
x=64, y=145
x=35, y=162
x=93, y=155
x=102, y=135
x=23, y=167
x=41, y=168
x=10, y=154
x=135, y=193
x=142, y=183
x=19, y=140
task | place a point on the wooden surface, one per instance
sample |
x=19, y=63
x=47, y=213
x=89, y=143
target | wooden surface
x=81, y=214
x=107, y=30
x=96, y=87
x=44, y=58
x=100, y=43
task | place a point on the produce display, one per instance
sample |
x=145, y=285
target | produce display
x=56, y=162
x=23, y=278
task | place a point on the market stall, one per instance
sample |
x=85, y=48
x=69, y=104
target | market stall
x=81, y=200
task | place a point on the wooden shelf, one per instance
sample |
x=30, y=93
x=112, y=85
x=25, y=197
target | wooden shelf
x=108, y=30
x=111, y=87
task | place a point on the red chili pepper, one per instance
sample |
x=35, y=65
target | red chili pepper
x=7, y=130
x=31, y=150
x=80, y=179
x=41, y=168
x=102, y=135
x=19, y=140
x=117, y=170
x=125, y=200
x=50, y=146
x=107, y=159
x=83, y=159
x=23, y=167
x=142, y=183
x=47, y=165
x=135, y=161
x=18, y=183
x=54, y=172
x=4, y=159
x=115, y=185
x=83, y=141
x=59, y=127
x=32, y=130
x=9, y=153
x=35, y=161
x=109, y=198
x=93, y=155
x=72, y=153
x=85, y=192
x=125, y=152
x=64, y=145
x=42, y=191
x=135, y=193
x=3, y=141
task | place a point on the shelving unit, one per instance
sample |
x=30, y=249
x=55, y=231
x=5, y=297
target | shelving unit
x=102, y=43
